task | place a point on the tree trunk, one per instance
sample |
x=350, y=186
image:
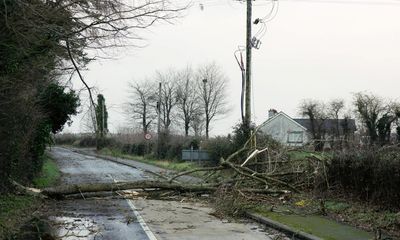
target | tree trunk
x=65, y=190
x=60, y=191
x=186, y=128
x=207, y=127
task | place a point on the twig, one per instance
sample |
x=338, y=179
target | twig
x=196, y=170
x=253, y=155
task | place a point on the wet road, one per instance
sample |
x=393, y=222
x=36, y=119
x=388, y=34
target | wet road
x=105, y=218
x=78, y=168
x=134, y=219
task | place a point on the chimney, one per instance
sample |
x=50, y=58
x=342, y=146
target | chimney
x=271, y=113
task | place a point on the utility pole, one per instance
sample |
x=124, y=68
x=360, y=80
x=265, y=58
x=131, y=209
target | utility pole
x=102, y=119
x=247, y=117
x=206, y=104
x=159, y=120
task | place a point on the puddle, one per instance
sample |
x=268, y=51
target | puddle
x=68, y=228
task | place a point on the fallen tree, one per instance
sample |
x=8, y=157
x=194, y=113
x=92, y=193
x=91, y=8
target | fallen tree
x=59, y=192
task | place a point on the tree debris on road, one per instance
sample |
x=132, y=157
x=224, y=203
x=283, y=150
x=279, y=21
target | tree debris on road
x=248, y=171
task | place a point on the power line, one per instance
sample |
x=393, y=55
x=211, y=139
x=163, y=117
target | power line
x=263, y=3
x=361, y=2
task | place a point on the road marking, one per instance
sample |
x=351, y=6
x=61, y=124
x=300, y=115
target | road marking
x=141, y=221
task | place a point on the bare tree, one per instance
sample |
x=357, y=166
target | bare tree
x=369, y=108
x=315, y=111
x=168, y=98
x=187, y=99
x=386, y=121
x=335, y=107
x=141, y=104
x=197, y=124
x=211, y=83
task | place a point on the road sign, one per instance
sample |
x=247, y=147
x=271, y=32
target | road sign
x=147, y=136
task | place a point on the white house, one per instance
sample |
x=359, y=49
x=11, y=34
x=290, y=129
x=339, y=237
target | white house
x=284, y=129
x=297, y=132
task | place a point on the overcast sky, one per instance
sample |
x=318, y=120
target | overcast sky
x=321, y=49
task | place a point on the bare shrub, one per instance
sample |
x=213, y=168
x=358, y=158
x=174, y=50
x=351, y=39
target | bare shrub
x=229, y=202
x=371, y=175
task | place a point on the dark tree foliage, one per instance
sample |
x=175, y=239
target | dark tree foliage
x=40, y=43
x=315, y=111
x=370, y=174
x=398, y=133
x=101, y=120
x=58, y=106
x=241, y=133
x=30, y=51
x=101, y=116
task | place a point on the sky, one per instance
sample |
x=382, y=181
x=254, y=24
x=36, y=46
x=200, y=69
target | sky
x=313, y=49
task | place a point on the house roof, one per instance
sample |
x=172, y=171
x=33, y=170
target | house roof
x=286, y=116
x=329, y=124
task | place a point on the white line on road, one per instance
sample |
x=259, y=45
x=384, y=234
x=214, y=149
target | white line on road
x=141, y=221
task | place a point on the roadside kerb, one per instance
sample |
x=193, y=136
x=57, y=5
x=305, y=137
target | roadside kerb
x=281, y=227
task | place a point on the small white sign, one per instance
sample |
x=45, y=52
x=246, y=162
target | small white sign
x=147, y=136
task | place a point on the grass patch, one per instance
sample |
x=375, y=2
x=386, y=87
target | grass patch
x=316, y=225
x=365, y=216
x=49, y=175
x=167, y=164
x=300, y=208
x=14, y=212
x=17, y=210
x=336, y=207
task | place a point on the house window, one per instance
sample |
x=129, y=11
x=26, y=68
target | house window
x=295, y=137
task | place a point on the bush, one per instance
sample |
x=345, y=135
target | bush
x=87, y=141
x=65, y=139
x=220, y=147
x=224, y=146
x=370, y=174
x=171, y=146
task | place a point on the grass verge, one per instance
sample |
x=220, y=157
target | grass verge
x=342, y=219
x=17, y=210
x=317, y=225
x=167, y=164
x=49, y=174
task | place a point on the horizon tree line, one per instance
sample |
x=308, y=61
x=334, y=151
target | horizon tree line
x=191, y=99
x=378, y=117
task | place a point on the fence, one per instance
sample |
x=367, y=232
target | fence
x=195, y=155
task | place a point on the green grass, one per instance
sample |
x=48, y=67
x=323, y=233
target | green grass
x=365, y=215
x=9, y=204
x=316, y=225
x=167, y=164
x=336, y=207
x=49, y=175
x=14, y=211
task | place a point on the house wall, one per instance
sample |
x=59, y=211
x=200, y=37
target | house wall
x=285, y=131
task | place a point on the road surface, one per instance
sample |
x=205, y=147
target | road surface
x=134, y=219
